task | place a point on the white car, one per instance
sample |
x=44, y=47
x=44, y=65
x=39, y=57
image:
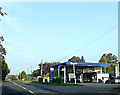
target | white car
x=117, y=80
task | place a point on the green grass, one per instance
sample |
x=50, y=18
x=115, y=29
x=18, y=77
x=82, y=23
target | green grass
x=17, y=80
x=49, y=83
x=23, y=81
x=62, y=84
x=35, y=81
x=29, y=80
x=59, y=84
x=0, y=81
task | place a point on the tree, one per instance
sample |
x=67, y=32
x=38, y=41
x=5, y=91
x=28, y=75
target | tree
x=108, y=58
x=2, y=13
x=5, y=69
x=76, y=59
x=46, y=67
x=22, y=75
x=35, y=73
x=14, y=77
x=111, y=59
x=82, y=59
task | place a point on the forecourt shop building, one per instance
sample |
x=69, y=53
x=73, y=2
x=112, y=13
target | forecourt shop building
x=95, y=73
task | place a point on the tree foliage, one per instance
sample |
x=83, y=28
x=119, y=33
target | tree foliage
x=5, y=69
x=14, y=77
x=22, y=75
x=111, y=59
x=76, y=59
x=45, y=68
x=82, y=59
x=110, y=68
x=2, y=13
x=35, y=73
x=108, y=58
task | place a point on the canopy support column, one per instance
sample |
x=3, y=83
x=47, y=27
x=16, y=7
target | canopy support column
x=101, y=70
x=74, y=73
x=83, y=71
x=58, y=71
x=64, y=74
x=117, y=70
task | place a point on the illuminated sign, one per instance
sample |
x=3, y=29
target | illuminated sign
x=52, y=69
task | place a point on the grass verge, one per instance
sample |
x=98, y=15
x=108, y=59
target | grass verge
x=50, y=83
x=59, y=84
x=62, y=84
x=23, y=81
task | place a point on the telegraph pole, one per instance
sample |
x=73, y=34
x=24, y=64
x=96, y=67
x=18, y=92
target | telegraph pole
x=20, y=75
x=27, y=72
x=31, y=70
x=41, y=66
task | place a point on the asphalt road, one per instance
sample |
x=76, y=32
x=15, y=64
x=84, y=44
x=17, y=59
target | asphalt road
x=10, y=87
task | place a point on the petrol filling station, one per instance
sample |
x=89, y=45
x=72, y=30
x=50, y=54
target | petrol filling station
x=95, y=73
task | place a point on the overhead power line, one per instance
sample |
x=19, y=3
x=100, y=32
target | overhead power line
x=90, y=42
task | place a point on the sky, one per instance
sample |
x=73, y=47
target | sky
x=57, y=31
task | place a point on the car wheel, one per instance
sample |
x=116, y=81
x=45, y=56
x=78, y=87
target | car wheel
x=106, y=82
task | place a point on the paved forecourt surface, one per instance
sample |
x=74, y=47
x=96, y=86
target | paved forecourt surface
x=22, y=87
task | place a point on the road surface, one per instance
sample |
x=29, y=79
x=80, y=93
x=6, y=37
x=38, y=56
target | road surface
x=12, y=87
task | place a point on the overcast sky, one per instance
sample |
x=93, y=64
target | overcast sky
x=51, y=31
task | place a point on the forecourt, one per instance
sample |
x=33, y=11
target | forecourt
x=95, y=73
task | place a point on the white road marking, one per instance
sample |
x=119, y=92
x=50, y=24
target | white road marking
x=102, y=92
x=105, y=91
x=98, y=91
x=23, y=87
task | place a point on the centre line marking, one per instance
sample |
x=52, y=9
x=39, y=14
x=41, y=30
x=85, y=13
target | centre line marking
x=23, y=87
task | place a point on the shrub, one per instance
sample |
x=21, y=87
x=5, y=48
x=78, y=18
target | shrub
x=57, y=80
x=14, y=77
x=40, y=80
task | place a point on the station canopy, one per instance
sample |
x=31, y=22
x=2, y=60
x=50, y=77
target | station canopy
x=81, y=64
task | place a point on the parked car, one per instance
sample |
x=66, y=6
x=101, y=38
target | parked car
x=117, y=80
x=110, y=81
